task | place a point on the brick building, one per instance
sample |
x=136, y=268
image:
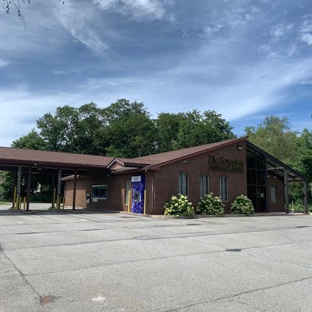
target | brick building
x=228, y=169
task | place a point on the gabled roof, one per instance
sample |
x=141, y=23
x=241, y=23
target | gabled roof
x=157, y=160
x=128, y=162
x=277, y=168
x=24, y=157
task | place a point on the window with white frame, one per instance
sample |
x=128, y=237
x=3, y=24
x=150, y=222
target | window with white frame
x=204, y=185
x=183, y=184
x=224, y=189
x=99, y=191
x=273, y=194
x=127, y=189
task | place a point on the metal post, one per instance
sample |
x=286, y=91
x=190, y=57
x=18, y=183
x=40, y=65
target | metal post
x=74, y=190
x=28, y=188
x=130, y=201
x=305, y=194
x=53, y=192
x=58, y=202
x=286, y=191
x=144, y=210
x=18, y=187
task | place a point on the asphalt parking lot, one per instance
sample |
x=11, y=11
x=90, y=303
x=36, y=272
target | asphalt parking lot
x=92, y=261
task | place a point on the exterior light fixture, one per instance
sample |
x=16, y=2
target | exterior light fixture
x=239, y=147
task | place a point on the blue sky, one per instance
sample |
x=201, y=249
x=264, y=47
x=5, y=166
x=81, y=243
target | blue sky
x=244, y=59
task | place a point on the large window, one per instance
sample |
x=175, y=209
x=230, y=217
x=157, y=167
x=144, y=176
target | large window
x=127, y=189
x=204, y=185
x=273, y=194
x=99, y=191
x=224, y=189
x=183, y=184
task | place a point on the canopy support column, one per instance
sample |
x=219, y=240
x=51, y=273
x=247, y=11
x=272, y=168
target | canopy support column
x=18, y=187
x=286, y=196
x=59, y=180
x=28, y=188
x=74, y=190
x=305, y=198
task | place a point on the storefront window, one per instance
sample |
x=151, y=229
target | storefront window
x=273, y=194
x=224, y=188
x=99, y=191
x=183, y=184
x=204, y=185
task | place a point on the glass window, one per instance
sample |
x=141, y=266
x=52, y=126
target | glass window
x=204, y=185
x=273, y=194
x=127, y=189
x=183, y=184
x=224, y=188
x=99, y=191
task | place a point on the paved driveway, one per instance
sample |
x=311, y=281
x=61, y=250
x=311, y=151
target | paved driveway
x=119, y=262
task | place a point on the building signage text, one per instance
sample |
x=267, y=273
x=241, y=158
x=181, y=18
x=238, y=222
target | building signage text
x=224, y=164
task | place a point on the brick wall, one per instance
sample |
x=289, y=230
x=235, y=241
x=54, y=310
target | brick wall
x=166, y=181
x=115, y=192
x=278, y=206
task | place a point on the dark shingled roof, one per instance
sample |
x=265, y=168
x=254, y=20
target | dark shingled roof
x=25, y=157
x=157, y=160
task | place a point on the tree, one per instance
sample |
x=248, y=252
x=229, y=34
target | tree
x=8, y=5
x=91, y=130
x=131, y=132
x=198, y=129
x=32, y=140
x=167, y=127
x=275, y=137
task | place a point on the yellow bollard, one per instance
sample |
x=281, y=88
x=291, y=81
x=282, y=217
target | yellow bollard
x=64, y=202
x=129, y=200
x=58, y=203
x=18, y=201
x=24, y=206
x=144, y=209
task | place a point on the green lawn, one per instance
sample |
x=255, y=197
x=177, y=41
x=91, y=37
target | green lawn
x=4, y=203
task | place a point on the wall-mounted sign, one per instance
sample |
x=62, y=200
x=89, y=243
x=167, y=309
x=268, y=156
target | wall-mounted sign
x=136, y=179
x=224, y=164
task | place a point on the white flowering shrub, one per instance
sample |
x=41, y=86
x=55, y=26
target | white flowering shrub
x=242, y=204
x=211, y=205
x=179, y=206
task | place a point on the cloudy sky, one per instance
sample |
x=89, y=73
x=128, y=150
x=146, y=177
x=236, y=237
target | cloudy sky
x=244, y=59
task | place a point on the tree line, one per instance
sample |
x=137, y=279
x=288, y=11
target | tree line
x=123, y=129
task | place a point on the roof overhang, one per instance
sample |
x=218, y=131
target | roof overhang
x=276, y=168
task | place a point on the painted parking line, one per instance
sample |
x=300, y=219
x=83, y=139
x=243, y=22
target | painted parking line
x=42, y=218
x=84, y=220
x=19, y=221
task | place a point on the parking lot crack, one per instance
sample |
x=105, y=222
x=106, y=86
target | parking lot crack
x=22, y=275
x=237, y=295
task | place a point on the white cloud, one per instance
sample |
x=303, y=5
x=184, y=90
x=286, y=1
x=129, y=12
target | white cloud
x=280, y=29
x=137, y=9
x=264, y=48
x=3, y=63
x=307, y=38
x=306, y=26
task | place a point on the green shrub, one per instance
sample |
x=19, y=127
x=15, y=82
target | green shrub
x=179, y=206
x=211, y=205
x=242, y=204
